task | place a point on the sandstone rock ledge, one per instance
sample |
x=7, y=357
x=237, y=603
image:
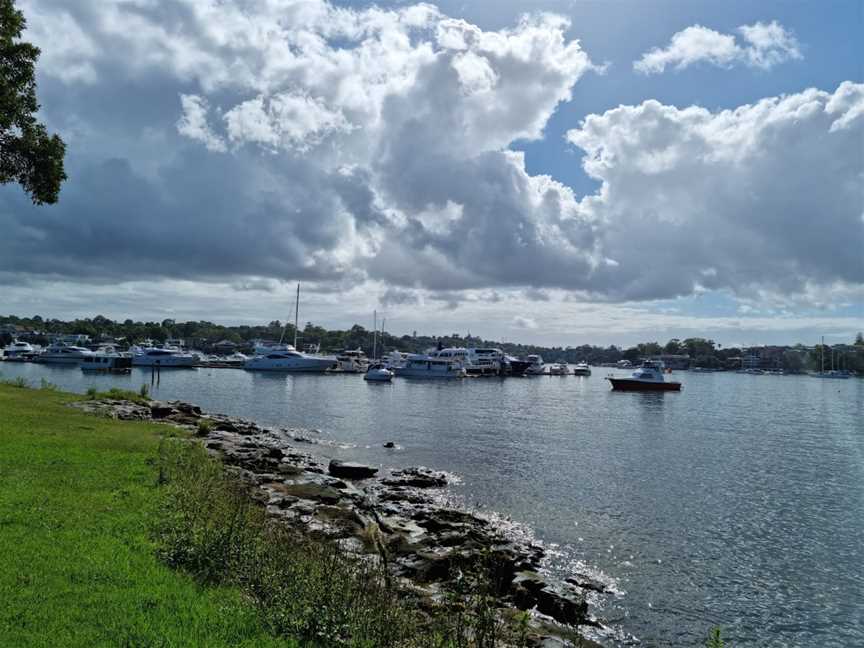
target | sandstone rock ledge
x=394, y=514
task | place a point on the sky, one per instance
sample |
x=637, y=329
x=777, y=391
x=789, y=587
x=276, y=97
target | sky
x=554, y=172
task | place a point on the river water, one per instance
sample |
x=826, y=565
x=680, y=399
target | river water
x=737, y=502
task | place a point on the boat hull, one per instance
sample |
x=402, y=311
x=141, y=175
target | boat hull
x=163, y=363
x=628, y=384
x=378, y=376
x=518, y=367
x=404, y=372
x=306, y=365
x=67, y=360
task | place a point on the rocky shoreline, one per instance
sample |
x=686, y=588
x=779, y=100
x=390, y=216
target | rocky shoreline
x=378, y=511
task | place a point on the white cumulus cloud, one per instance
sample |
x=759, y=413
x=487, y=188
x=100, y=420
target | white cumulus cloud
x=767, y=195
x=763, y=45
x=193, y=123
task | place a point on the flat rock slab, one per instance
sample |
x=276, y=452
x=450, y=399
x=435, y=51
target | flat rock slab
x=349, y=470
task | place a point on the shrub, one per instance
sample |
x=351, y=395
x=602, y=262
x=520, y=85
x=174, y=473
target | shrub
x=44, y=384
x=316, y=591
x=205, y=427
x=117, y=394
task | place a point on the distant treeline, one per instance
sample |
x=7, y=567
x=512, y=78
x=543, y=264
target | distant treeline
x=204, y=335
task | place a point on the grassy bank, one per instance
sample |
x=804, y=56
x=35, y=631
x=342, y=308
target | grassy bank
x=78, y=496
x=120, y=533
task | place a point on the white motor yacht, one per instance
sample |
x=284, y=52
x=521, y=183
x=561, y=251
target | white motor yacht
x=236, y=359
x=352, y=361
x=582, y=369
x=426, y=366
x=535, y=366
x=60, y=353
x=17, y=350
x=161, y=357
x=289, y=359
x=559, y=369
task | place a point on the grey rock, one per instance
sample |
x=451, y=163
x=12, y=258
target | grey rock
x=350, y=470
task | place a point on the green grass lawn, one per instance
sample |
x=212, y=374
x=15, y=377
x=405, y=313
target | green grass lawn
x=77, y=566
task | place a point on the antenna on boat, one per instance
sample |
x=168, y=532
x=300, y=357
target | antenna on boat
x=296, y=313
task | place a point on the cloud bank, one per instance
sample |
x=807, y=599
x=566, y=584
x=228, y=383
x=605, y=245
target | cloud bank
x=259, y=142
x=762, y=45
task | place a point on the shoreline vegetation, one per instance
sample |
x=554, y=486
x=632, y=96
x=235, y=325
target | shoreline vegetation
x=696, y=351
x=199, y=558
x=205, y=532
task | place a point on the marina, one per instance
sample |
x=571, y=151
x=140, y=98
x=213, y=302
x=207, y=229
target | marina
x=626, y=485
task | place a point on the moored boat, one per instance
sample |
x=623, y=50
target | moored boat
x=161, y=357
x=582, y=369
x=60, y=353
x=378, y=373
x=559, y=369
x=515, y=366
x=426, y=366
x=352, y=361
x=18, y=351
x=288, y=359
x=117, y=363
x=535, y=366
x=648, y=377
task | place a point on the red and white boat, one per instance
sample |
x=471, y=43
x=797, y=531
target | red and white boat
x=648, y=377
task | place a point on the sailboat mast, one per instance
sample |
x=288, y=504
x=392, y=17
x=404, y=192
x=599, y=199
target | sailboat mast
x=822, y=356
x=296, y=314
x=375, y=335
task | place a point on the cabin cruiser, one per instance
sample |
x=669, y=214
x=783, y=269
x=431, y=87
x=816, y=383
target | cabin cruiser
x=377, y=372
x=559, y=369
x=19, y=351
x=287, y=358
x=648, y=377
x=161, y=357
x=427, y=366
x=60, y=353
x=535, y=366
x=582, y=369
x=352, y=361
x=107, y=362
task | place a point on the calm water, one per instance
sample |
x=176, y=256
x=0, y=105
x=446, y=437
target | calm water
x=738, y=502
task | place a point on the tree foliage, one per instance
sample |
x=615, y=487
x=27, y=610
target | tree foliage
x=28, y=154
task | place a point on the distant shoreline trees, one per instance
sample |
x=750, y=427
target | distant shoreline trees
x=696, y=352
